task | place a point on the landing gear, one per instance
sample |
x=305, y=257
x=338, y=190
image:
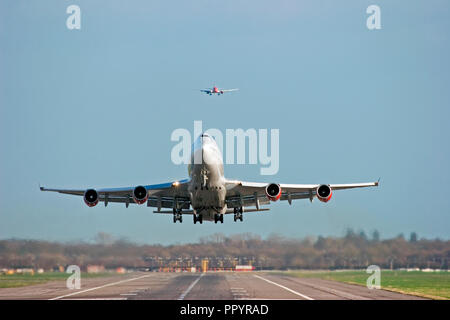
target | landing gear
x=177, y=216
x=239, y=214
x=198, y=217
x=218, y=217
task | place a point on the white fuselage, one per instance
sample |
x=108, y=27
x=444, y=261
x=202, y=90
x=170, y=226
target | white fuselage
x=207, y=187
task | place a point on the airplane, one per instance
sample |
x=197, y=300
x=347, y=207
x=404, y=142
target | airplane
x=207, y=194
x=215, y=90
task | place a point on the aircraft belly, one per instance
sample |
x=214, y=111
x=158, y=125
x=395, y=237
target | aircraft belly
x=209, y=202
x=208, y=198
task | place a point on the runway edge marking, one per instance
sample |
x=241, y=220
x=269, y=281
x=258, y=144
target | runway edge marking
x=184, y=294
x=285, y=288
x=100, y=287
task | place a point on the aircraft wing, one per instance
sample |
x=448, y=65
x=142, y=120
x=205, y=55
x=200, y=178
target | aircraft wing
x=241, y=193
x=164, y=195
x=229, y=90
x=206, y=90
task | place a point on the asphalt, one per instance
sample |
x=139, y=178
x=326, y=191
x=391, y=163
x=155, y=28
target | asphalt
x=202, y=286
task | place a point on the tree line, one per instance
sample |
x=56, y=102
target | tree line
x=354, y=250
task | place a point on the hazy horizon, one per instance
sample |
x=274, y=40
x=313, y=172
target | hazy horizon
x=95, y=239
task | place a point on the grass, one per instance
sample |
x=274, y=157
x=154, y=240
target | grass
x=21, y=280
x=434, y=285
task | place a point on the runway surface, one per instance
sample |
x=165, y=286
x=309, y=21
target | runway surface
x=202, y=286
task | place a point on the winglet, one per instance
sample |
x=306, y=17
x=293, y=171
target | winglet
x=378, y=182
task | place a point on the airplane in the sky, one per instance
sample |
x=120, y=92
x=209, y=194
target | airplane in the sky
x=207, y=194
x=218, y=91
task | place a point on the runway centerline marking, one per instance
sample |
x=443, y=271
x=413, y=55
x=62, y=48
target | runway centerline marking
x=100, y=287
x=285, y=288
x=184, y=294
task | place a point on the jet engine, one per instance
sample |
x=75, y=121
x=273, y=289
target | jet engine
x=91, y=197
x=324, y=193
x=273, y=191
x=140, y=195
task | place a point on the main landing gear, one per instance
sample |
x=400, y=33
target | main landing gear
x=177, y=216
x=218, y=217
x=198, y=217
x=239, y=214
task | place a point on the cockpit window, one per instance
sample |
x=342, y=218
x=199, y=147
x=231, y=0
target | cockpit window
x=205, y=135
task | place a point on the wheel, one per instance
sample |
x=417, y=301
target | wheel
x=174, y=219
x=195, y=218
x=241, y=214
x=200, y=219
x=181, y=219
x=235, y=218
x=221, y=218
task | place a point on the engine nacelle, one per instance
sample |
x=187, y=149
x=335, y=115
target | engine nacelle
x=324, y=193
x=273, y=191
x=90, y=197
x=140, y=195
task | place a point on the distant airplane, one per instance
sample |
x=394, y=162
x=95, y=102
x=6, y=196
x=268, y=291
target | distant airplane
x=207, y=194
x=218, y=91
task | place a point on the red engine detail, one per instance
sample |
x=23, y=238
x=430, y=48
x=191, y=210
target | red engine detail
x=90, y=197
x=324, y=193
x=140, y=195
x=273, y=191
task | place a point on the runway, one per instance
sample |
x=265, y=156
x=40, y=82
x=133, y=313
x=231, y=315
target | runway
x=202, y=286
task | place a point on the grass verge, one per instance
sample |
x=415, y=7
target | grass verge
x=434, y=285
x=21, y=280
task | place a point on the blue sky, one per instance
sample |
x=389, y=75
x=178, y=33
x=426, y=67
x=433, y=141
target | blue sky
x=96, y=107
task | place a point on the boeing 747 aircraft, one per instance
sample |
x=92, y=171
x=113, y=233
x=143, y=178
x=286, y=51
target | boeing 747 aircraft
x=207, y=194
